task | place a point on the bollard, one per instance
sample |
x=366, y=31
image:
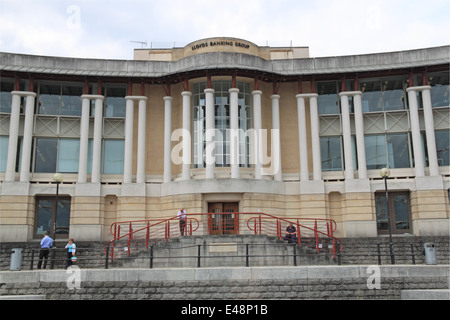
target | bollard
x=16, y=260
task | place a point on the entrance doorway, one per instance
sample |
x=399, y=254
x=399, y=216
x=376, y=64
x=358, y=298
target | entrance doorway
x=52, y=219
x=223, y=220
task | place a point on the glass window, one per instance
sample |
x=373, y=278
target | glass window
x=115, y=101
x=4, y=142
x=328, y=100
x=383, y=94
x=399, y=215
x=113, y=156
x=390, y=150
x=331, y=151
x=6, y=86
x=45, y=158
x=443, y=147
x=375, y=151
x=49, y=98
x=440, y=89
x=68, y=154
x=71, y=99
x=222, y=123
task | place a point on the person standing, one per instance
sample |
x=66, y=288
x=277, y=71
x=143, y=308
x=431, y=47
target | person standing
x=46, y=244
x=71, y=249
x=182, y=220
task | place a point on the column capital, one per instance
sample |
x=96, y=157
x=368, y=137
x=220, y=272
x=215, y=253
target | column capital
x=256, y=92
x=186, y=93
x=233, y=90
x=92, y=96
x=418, y=88
x=275, y=96
x=136, y=98
x=23, y=93
x=209, y=90
x=168, y=98
x=350, y=93
x=307, y=95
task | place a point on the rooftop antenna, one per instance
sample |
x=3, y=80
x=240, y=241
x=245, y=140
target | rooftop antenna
x=143, y=43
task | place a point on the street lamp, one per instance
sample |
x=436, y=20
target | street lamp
x=58, y=178
x=384, y=173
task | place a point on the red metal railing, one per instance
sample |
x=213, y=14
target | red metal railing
x=132, y=235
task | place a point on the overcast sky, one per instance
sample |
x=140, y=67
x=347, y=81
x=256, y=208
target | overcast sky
x=105, y=29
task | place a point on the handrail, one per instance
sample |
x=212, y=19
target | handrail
x=312, y=232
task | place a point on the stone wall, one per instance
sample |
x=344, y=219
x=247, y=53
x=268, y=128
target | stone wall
x=264, y=283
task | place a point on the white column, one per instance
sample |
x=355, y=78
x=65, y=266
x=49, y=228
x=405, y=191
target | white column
x=429, y=128
x=128, y=149
x=210, y=134
x=257, y=137
x=302, y=141
x=84, y=138
x=142, y=121
x=97, y=143
x=415, y=132
x=276, y=143
x=13, y=136
x=167, y=138
x=359, y=128
x=234, y=132
x=315, y=137
x=186, y=168
x=346, y=133
x=27, y=137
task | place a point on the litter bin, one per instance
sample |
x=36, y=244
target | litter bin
x=430, y=253
x=16, y=260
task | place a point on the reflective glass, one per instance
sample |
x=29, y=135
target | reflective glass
x=49, y=98
x=4, y=142
x=71, y=100
x=113, y=156
x=443, y=147
x=45, y=156
x=330, y=148
x=69, y=152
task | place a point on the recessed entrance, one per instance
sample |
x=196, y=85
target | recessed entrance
x=223, y=220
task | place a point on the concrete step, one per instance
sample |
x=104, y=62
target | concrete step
x=438, y=294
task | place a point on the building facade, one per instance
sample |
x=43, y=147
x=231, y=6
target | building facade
x=224, y=125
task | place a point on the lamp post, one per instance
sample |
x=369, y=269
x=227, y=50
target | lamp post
x=58, y=178
x=384, y=173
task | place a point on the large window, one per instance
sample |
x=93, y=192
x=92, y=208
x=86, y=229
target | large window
x=440, y=89
x=115, y=101
x=62, y=155
x=399, y=215
x=331, y=151
x=383, y=94
x=222, y=123
x=443, y=147
x=390, y=150
x=113, y=156
x=329, y=101
x=59, y=99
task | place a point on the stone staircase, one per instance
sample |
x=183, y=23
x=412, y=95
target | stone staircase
x=220, y=251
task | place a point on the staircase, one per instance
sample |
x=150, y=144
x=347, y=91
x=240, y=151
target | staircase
x=222, y=251
x=221, y=240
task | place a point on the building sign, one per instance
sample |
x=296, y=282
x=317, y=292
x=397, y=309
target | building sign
x=220, y=43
